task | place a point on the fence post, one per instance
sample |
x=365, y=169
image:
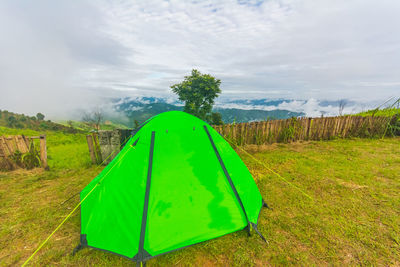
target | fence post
x=43, y=152
x=89, y=140
x=97, y=151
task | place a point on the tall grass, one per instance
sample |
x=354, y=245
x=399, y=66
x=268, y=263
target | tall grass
x=387, y=109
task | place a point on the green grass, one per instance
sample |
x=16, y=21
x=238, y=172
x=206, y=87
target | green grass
x=387, y=112
x=354, y=218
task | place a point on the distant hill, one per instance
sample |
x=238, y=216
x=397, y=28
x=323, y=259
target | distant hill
x=38, y=123
x=230, y=115
x=107, y=125
x=141, y=109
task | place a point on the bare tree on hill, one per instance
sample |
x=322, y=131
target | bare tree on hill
x=93, y=118
x=342, y=105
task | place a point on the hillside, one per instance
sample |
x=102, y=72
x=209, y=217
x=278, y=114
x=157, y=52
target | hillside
x=106, y=125
x=20, y=121
x=38, y=123
x=230, y=115
x=352, y=219
x=387, y=112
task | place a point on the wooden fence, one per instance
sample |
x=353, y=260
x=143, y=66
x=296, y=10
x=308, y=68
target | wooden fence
x=297, y=129
x=11, y=144
x=94, y=148
x=105, y=145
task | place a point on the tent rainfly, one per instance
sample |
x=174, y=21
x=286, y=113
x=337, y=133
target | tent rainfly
x=176, y=183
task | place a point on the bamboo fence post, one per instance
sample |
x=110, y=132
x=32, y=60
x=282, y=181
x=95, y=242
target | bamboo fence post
x=23, y=146
x=331, y=127
x=43, y=152
x=308, y=128
x=315, y=128
x=244, y=134
x=276, y=130
x=249, y=134
x=97, y=147
x=89, y=140
x=273, y=131
x=276, y=125
x=6, y=148
x=263, y=130
x=7, y=152
x=269, y=132
x=26, y=141
x=240, y=136
x=320, y=131
x=345, y=121
x=226, y=130
x=342, y=123
x=326, y=128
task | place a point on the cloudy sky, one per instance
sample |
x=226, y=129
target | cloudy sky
x=59, y=55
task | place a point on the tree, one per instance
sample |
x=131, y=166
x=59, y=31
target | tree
x=93, y=118
x=198, y=91
x=216, y=118
x=11, y=121
x=70, y=124
x=40, y=116
x=342, y=104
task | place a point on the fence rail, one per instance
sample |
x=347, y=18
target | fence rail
x=297, y=129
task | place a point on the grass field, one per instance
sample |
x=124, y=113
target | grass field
x=353, y=219
x=387, y=112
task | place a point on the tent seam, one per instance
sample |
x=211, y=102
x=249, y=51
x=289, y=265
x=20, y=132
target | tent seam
x=228, y=177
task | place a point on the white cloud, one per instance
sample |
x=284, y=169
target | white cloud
x=296, y=49
x=311, y=107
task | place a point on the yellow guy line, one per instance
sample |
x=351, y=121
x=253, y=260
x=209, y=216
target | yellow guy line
x=271, y=170
x=70, y=214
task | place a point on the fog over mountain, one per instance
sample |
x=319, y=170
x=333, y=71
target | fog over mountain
x=237, y=110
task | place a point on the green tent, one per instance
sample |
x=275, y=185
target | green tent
x=176, y=183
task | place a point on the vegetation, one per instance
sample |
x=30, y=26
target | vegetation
x=199, y=91
x=40, y=116
x=21, y=121
x=388, y=109
x=82, y=126
x=37, y=123
x=234, y=115
x=28, y=160
x=353, y=218
x=142, y=112
x=387, y=112
x=391, y=110
x=65, y=151
x=94, y=118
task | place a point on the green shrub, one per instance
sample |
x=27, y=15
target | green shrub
x=31, y=159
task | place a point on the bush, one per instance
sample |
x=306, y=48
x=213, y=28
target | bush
x=29, y=160
x=11, y=121
x=287, y=134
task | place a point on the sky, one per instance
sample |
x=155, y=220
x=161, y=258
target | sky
x=58, y=56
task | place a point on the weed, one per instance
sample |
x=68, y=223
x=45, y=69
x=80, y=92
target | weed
x=287, y=134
